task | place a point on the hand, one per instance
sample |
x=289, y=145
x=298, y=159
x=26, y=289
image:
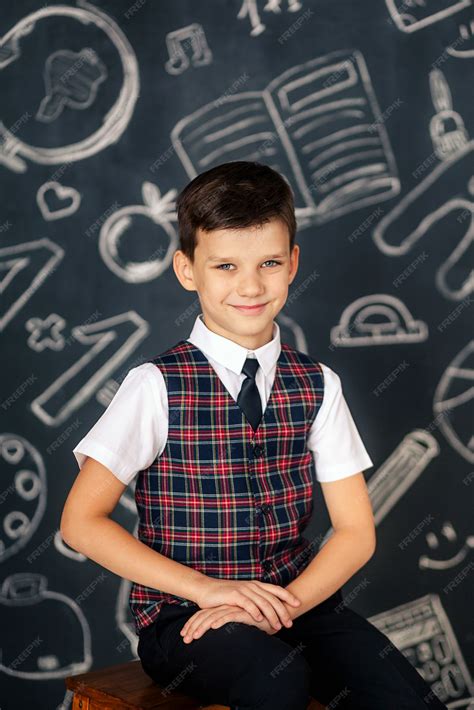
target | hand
x=205, y=619
x=259, y=599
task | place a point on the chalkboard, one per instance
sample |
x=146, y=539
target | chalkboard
x=108, y=110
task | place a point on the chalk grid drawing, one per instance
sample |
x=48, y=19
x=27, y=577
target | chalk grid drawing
x=377, y=319
x=179, y=41
x=318, y=124
x=419, y=211
x=455, y=395
x=421, y=630
x=13, y=151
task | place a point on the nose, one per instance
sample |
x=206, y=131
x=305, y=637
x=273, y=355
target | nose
x=250, y=286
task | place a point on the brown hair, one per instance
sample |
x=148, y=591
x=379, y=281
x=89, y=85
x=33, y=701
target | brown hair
x=233, y=195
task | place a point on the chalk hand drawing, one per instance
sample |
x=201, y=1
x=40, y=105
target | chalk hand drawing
x=412, y=15
x=28, y=610
x=250, y=8
x=178, y=41
x=447, y=531
x=318, y=124
x=377, y=319
x=398, y=473
x=72, y=80
x=455, y=394
x=446, y=127
x=107, y=344
x=24, y=493
x=46, y=333
x=54, y=190
x=160, y=211
x=25, y=267
x=422, y=631
x=414, y=216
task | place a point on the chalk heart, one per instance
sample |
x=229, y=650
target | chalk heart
x=53, y=192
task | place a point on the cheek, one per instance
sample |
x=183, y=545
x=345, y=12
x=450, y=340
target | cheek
x=217, y=286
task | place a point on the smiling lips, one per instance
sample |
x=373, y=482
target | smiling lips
x=251, y=309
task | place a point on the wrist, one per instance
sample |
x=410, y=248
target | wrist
x=198, y=583
x=294, y=611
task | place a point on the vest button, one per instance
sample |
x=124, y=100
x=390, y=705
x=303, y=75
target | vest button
x=258, y=450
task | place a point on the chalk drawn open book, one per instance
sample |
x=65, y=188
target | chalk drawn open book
x=318, y=124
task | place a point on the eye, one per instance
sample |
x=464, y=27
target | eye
x=265, y=262
x=221, y=265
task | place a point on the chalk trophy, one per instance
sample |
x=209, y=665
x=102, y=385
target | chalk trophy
x=178, y=41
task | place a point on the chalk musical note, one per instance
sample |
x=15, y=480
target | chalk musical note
x=250, y=8
x=179, y=41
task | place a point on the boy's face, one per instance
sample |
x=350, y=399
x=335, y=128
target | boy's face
x=240, y=267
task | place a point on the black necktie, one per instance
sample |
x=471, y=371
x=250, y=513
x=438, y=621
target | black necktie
x=249, y=397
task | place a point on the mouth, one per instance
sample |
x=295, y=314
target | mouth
x=258, y=308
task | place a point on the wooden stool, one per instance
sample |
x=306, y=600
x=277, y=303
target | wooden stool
x=127, y=686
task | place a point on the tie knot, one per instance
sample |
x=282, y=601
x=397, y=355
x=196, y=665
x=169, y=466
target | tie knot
x=250, y=367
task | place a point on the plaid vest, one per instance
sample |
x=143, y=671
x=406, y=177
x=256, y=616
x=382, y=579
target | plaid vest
x=222, y=498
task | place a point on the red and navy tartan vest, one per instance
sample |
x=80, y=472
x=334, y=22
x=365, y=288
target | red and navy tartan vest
x=222, y=498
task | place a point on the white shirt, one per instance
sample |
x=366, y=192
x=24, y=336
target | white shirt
x=133, y=430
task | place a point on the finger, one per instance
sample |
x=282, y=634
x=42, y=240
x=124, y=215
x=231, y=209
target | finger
x=245, y=602
x=206, y=623
x=272, y=607
x=282, y=612
x=202, y=624
x=190, y=621
x=275, y=611
x=249, y=598
x=187, y=631
x=235, y=615
x=196, y=618
x=280, y=592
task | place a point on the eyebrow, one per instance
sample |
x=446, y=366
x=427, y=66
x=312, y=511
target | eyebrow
x=231, y=258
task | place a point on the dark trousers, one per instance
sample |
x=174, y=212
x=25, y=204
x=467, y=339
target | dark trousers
x=331, y=653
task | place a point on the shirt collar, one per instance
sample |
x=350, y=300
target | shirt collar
x=230, y=354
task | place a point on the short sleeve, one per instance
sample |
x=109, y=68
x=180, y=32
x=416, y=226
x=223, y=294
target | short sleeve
x=133, y=429
x=334, y=439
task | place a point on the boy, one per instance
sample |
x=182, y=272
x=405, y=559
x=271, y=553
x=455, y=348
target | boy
x=221, y=430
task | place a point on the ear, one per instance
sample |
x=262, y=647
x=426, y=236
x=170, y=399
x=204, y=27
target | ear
x=183, y=269
x=294, y=261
